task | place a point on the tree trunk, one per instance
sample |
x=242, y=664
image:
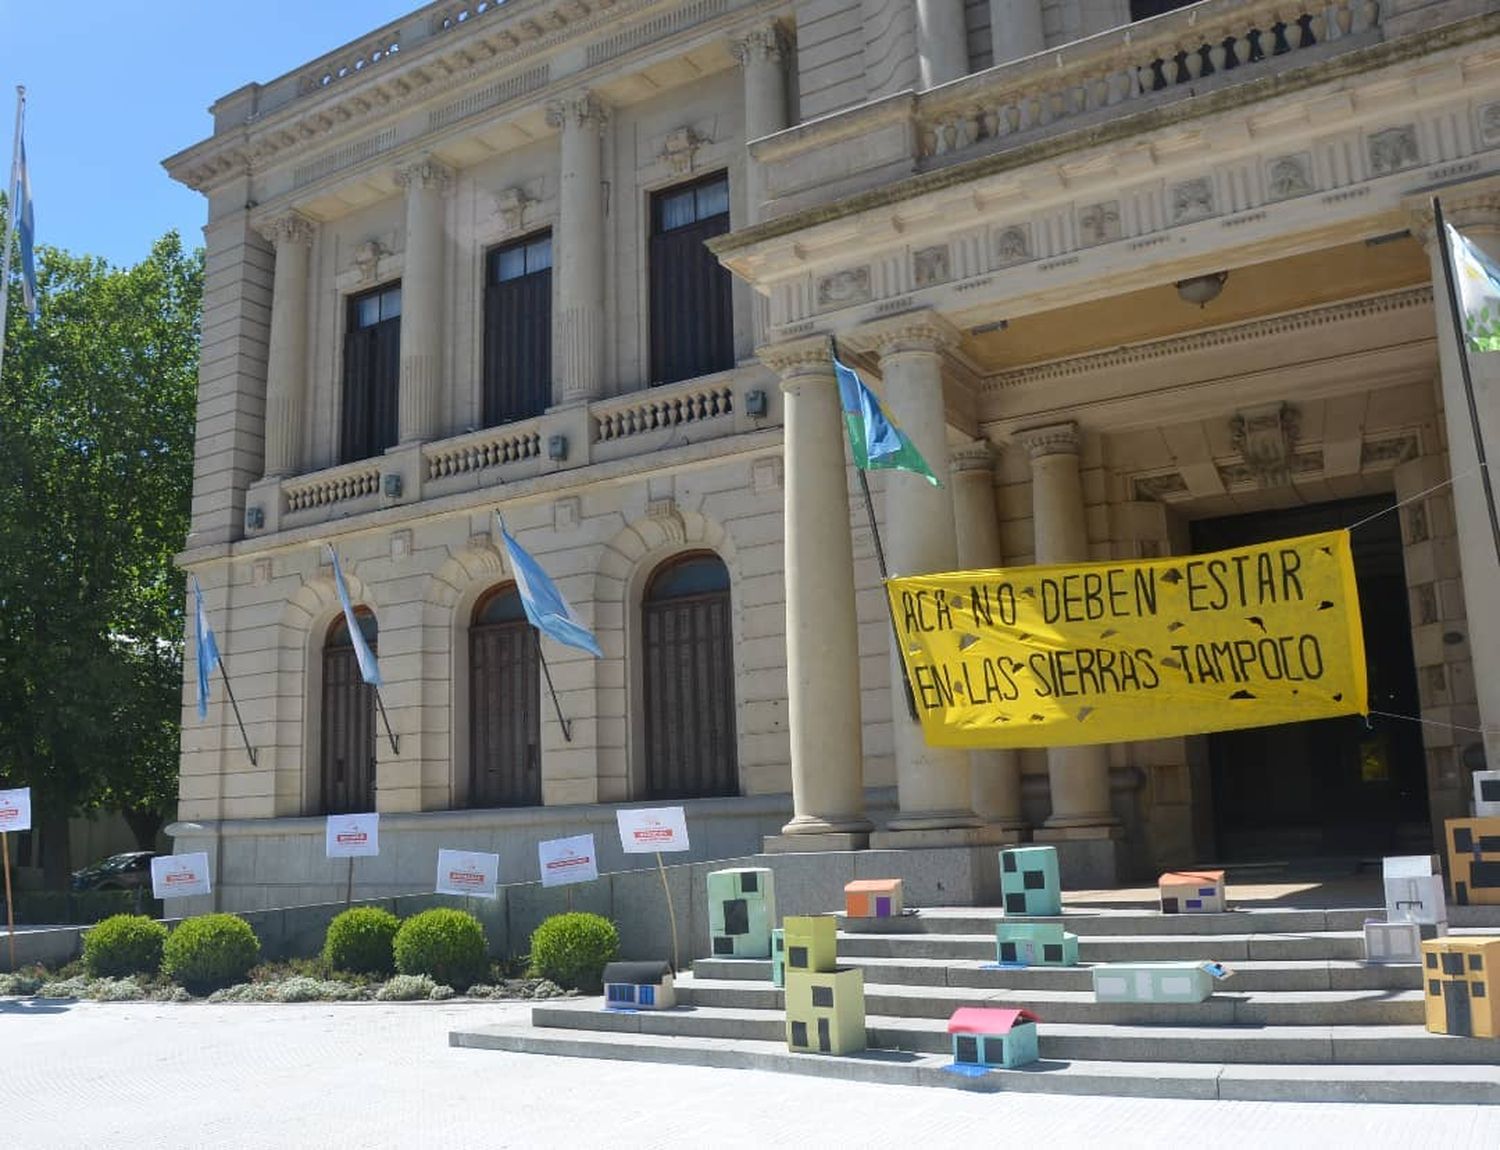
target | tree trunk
x=145, y=825
x=57, y=858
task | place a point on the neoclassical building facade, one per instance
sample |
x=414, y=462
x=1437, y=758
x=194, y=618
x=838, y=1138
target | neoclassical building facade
x=1139, y=279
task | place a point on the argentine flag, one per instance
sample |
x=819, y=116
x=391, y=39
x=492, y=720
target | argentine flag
x=545, y=606
x=26, y=228
x=208, y=649
x=369, y=669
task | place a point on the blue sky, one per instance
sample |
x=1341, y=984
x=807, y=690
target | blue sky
x=115, y=86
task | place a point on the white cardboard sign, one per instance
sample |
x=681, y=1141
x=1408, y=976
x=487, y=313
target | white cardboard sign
x=352, y=836
x=177, y=876
x=652, y=829
x=565, y=861
x=468, y=873
x=15, y=810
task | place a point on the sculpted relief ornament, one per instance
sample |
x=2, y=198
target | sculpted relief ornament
x=1264, y=437
x=1393, y=149
x=1288, y=176
x=510, y=206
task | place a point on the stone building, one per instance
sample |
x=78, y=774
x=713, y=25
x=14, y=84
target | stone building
x=1141, y=278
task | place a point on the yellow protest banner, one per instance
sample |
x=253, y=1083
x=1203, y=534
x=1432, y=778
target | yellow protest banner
x=1150, y=649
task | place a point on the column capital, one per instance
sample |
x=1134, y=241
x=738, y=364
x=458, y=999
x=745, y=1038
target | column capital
x=798, y=358
x=1054, y=439
x=427, y=174
x=917, y=331
x=291, y=228
x=973, y=458
x=766, y=42
x=580, y=110
x=1470, y=207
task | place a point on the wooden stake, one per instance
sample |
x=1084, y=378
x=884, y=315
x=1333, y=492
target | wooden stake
x=671, y=910
x=10, y=910
x=349, y=885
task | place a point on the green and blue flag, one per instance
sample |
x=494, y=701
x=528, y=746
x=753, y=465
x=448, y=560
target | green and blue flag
x=878, y=444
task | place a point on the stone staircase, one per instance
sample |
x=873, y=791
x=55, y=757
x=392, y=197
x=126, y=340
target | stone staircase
x=1302, y=1019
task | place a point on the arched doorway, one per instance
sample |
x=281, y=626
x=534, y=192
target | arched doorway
x=688, y=680
x=348, y=766
x=505, y=729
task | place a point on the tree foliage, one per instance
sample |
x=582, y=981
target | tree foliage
x=96, y=457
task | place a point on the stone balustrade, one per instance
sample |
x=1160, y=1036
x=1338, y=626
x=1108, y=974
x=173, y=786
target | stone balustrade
x=335, y=485
x=658, y=408
x=351, y=60
x=1204, y=45
x=481, y=450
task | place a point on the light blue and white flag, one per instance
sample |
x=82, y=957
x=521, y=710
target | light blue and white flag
x=545, y=606
x=208, y=649
x=26, y=228
x=369, y=669
x=1478, y=293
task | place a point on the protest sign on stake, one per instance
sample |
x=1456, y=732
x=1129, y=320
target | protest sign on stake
x=178, y=876
x=351, y=837
x=471, y=874
x=15, y=815
x=652, y=830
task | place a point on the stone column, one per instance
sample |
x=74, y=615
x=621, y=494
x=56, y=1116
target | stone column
x=578, y=333
x=1478, y=218
x=942, y=42
x=286, y=355
x=1078, y=776
x=822, y=641
x=932, y=782
x=1016, y=29
x=762, y=55
x=420, y=404
x=996, y=783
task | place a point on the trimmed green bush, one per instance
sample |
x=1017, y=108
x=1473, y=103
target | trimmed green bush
x=572, y=949
x=209, y=952
x=359, y=941
x=446, y=945
x=124, y=944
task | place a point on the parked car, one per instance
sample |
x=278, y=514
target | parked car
x=128, y=871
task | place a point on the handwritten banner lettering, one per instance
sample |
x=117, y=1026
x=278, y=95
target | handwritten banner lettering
x=1113, y=652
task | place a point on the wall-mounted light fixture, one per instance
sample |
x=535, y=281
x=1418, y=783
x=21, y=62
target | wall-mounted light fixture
x=391, y=481
x=557, y=448
x=756, y=404
x=255, y=518
x=1201, y=289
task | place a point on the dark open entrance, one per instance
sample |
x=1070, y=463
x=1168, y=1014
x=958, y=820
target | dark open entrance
x=1328, y=786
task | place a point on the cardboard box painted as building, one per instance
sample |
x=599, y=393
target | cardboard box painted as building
x=778, y=957
x=1459, y=986
x=639, y=986
x=1191, y=891
x=1414, y=890
x=1474, y=860
x=1388, y=942
x=1029, y=881
x=741, y=912
x=986, y=1036
x=1034, y=944
x=1155, y=981
x=873, y=898
x=825, y=1006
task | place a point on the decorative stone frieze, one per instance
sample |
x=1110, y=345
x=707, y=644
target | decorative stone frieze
x=1393, y=150
x=1265, y=437
x=843, y=288
x=930, y=266
x=1192, y=200
x=1013, y=245
x=1289, y=176
x=1099, y=223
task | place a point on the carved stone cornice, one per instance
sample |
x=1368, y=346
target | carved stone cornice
x=768, y=42
x=799, y=358
x=426, y=174
x=581, y=110
x=976, y=458
x=1054, y=439
x=291, y=228
x=916, y=331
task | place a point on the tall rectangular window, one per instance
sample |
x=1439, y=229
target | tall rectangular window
x=692, y=317
x=372, y=374
x=518, y=330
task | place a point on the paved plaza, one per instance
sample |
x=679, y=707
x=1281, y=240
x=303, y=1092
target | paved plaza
x=370, y=1075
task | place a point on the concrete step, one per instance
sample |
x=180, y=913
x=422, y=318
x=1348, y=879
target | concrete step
x=1225, y=1008
x=1061, y=1040
x=1225, y=948
x=1087, y=921
x=1245, y=1081
x=1310, y=974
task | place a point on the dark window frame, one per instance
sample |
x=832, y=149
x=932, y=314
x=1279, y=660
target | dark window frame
x=690, y=297
x=516, y=381
x=370, y=380
x=348, y=720
x=504, y=718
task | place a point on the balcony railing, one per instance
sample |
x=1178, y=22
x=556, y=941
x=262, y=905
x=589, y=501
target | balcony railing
x=346, y=484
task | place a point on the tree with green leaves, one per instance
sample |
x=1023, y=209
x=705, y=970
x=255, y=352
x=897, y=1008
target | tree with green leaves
x=96, y=460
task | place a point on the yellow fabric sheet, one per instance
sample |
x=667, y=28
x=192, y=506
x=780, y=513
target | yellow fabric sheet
x=1150, y=649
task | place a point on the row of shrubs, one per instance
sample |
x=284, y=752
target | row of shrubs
x=214, y=951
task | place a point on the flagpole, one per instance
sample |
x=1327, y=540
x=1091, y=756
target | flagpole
x=1468, y=379
x=12, y=220
x=386, y=719
x=864, y=487
x=567, y=728
x=229, y=690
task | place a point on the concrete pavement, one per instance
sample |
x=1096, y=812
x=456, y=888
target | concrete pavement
x=375, y=1074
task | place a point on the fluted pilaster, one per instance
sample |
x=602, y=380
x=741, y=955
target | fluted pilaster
x=426, y=183
x=292, y=236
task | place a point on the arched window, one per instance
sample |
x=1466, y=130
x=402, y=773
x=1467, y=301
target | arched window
x=348, y=721
x=688, y=680
x=505, y=722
